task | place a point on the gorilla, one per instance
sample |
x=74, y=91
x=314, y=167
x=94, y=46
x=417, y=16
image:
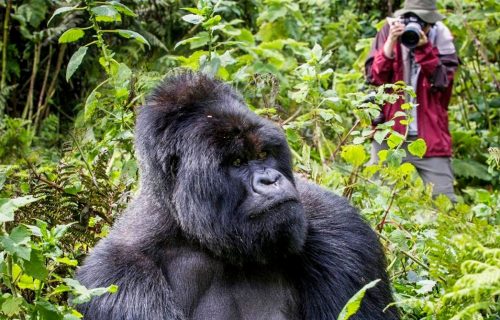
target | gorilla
x=222, y=230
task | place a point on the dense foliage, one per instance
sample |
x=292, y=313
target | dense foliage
x=73, y=72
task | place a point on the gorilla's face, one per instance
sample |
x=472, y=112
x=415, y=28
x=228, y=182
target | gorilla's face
x=228, y=173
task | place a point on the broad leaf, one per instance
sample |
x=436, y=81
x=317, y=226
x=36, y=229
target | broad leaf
x=134, y=35
x=35, y=267
x=470, y=168
x=12, y=306
x=394, y=140
x=8, y=206
x=17, y=242
x=123, y=8
x=417, y=148
x=354, y=303
x=212, y=21
x=425, y=286
x=71, y=35
x=75, y=61
x=60, y=11
x=354, y=154
x=380, y=135
x=106, y=13
x=197, y=41
x=82, y=294
x=193, y=18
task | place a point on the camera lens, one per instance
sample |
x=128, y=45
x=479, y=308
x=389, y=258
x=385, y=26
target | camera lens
x=411, y=35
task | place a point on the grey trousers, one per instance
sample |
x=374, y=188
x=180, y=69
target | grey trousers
x=434, y=170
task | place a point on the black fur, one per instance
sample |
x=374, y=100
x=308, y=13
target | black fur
x=220, y=228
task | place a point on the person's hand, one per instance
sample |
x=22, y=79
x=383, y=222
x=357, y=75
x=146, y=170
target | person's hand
x=423, y=39
x=396, y=29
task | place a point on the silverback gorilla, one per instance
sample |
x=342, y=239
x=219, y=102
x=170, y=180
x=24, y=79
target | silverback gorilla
x=221, y=229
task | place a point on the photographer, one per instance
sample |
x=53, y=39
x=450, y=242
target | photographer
x=417, y=48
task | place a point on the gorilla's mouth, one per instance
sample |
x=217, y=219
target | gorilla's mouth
x=274, y=207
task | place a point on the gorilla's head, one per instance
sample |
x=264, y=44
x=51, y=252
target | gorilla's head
x=223, y=172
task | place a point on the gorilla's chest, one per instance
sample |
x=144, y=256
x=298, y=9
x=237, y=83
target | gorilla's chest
x=204, y=288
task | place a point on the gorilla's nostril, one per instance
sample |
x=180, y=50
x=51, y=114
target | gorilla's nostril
x=266, y=181
x=269, y=179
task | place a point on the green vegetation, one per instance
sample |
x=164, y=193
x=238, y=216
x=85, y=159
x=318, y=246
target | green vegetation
x=73, y=72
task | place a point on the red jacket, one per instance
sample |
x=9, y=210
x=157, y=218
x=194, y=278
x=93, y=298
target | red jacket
x=434, y=87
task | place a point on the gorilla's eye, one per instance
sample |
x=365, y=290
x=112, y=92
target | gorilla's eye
x=237, y=162
x=262, y=155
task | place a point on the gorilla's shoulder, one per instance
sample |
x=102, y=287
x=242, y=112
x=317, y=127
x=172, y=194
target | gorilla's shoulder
x=341, y=254
x=338, y=238
x=326, y=209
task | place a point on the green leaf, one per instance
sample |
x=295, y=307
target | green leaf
x=4, y=170
x=35, y=267
x=326, y=114
x=61, y=11
x=59, y=230
x=26, y=282
x=8, y=206
x=91, y=104
x=74, y=315
x=212, y=21
x=194, y=10
x=193, y=18
x=17, y=242
x=33, y=12
x=395, y=157
x=226, y=59
x=380, y=135
x=354, y=303
x=47, y=310
x=67, y=261
x=82, y=294
x=120, y=7
x=75, y=61
x=394, y=140
x=418, y=148
x=425, y=286
x=106, y=13
x=210, y=67
x=12, y=306
x=354, y=154
x=134, y=35
x=358, y=140
x=470, y=168
x=71, y=35
x=197, y=41
x=406, y=106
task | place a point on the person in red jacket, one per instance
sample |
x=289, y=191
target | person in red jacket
x=428, y=63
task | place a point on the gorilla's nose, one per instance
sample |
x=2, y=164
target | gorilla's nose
x=266, y=181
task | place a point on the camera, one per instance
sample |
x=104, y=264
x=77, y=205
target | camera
x=411, y=33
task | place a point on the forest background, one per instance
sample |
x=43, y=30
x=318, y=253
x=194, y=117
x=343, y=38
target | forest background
x=72, y=73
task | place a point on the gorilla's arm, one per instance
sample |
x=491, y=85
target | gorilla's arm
x=130, y=257
x=143, y=292
x=341, y=255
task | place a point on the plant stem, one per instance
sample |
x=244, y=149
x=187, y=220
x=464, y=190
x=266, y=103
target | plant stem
x=100, y=41
x=53, y=82
x=11, y=283
x=380, y=226
x=5, y=39
x=28, y=108
x=482, y=86
x=43, y=89
x=341, y=143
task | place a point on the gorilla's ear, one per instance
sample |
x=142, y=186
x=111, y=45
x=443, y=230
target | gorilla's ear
x=185, y=88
